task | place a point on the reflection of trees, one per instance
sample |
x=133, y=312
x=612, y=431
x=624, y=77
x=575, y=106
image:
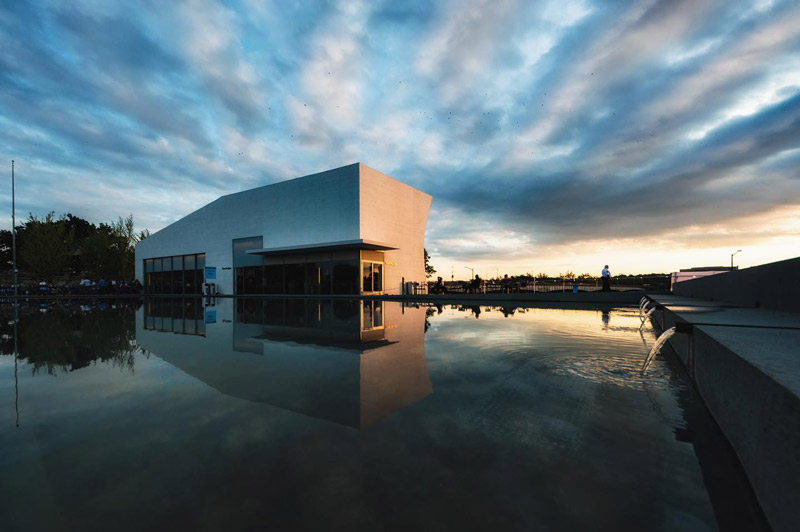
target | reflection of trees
x=68, y=337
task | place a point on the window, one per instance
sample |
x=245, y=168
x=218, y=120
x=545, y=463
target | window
x=371, y=277
x=345, y=277
x=181, y=274
x=273, y=275
x=294, y=276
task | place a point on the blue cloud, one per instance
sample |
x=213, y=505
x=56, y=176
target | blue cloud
x=558, y=120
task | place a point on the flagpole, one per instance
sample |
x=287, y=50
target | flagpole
x=13, y=228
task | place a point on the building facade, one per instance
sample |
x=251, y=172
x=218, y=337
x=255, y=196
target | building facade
x=351, y=230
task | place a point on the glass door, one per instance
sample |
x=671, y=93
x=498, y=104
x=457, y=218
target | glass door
x=371, y=277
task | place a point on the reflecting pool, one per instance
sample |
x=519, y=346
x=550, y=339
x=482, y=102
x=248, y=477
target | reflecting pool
x=318, y=414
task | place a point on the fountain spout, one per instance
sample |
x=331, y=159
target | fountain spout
x=643, y=311
x=657, y=347
x=646, y=317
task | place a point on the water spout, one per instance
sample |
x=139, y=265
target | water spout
x=646, y=317
x=656, y=349
x=644, y=309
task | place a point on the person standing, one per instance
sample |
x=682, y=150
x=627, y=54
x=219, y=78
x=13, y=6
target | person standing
x=606, y=275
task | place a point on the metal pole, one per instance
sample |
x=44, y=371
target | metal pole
x=732, y=255
x=16, y=356
x=13, y=228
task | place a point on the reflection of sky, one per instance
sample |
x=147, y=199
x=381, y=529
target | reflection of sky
x=555, y=135
x=577, y=342
x=505, y=438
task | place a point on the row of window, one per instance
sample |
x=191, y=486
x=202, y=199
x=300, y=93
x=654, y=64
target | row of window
x=316, y=278
x=195, y=261
x=182, y=274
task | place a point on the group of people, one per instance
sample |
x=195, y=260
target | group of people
x=508, y=284
x=470, y=287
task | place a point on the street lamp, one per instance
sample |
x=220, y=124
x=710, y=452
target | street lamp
x=732, y=255
x=472, y=270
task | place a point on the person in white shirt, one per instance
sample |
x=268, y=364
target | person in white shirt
x=606, y=275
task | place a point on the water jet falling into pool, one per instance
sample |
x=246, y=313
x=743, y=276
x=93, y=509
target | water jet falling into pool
x=646, y=317
x=656, y=349
x=644, y=309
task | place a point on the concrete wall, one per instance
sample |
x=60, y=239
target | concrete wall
x=772, y=286
x=348, y=203
x=759, y=414
x=746, y=366
x=395, y=213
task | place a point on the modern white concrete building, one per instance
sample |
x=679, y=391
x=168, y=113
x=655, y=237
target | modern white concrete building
x=351, y=230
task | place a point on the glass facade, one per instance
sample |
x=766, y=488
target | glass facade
x=181, y=274
x=313, y=273
x=316, y=278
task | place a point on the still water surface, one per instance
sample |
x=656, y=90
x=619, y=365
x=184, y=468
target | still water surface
x=351, y=415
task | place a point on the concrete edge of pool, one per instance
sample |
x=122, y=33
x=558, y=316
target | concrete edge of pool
x=745, y=364
x=629, y=297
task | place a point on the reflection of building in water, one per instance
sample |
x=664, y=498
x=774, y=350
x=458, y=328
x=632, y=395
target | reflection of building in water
x=181, y=315
x=351, y=362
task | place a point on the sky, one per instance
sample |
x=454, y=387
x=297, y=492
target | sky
x=554, y=136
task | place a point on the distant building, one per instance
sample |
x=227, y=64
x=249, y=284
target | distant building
x=351, y=230
x=688, y=274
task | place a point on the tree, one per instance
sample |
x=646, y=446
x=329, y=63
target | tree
x=429, y=270
x=6, y=258
x=123, y=230
x=48, y=246
x=103, y=253
x=110, y=251
x=542, y=276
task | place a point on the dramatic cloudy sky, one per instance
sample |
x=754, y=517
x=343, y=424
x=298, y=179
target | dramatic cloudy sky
x=554, y=135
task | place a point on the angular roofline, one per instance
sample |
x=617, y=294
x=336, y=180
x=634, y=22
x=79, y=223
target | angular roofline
x=360, y=164
x=286, y=181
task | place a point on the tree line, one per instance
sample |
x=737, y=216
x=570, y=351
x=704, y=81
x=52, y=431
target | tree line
x=50, y=247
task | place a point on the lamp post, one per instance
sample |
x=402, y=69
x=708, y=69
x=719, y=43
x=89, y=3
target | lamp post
x=472, y=270
x=732, y=255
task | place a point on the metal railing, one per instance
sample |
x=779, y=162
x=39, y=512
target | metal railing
x=536, y=287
